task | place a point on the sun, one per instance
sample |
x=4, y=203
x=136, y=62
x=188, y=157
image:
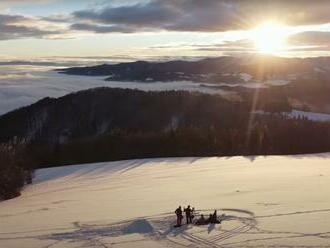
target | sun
x=269, y=37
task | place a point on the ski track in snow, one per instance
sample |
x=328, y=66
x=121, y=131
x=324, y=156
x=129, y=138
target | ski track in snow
x=272, y=201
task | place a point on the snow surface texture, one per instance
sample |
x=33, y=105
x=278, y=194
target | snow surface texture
x=273, y=201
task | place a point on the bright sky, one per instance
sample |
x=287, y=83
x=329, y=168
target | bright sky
x=31, y=29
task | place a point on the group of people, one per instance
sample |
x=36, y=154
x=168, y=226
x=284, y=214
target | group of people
x=212, y=219
x=190, y=214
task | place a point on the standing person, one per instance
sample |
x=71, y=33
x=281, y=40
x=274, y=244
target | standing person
x=210, y=219
x=192, y=215
x=214, y=218
x=188, y=212
x=179, y=216
x=215, y=215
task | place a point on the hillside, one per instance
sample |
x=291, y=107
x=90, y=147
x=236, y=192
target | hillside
x=106, y=124
x=275, y=201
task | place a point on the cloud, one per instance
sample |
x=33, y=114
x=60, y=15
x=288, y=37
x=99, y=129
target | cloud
x=205, y=16
x=101, y=29
x=10, y=3
x=119, y=16
x=233, y=46
x=310, y=41
x=58, y=18
x=161, y=15
x=310, y=38
x=18, y=26
x=243, y=45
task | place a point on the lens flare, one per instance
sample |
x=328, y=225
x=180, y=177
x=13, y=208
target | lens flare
x=270, y=37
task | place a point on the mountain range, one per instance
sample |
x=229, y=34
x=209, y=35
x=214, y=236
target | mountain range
x=211, y=70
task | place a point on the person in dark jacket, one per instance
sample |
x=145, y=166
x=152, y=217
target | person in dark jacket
x=209, y=219
x=189, y=213
x=201, y=221
x=179, y=216
x=214, y=218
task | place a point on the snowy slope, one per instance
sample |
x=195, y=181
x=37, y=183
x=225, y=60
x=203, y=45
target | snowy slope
x=274, y=201
x=310, y=115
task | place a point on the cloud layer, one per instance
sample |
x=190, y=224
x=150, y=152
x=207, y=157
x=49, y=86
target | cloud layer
x=311, y=38
x=172, y=15
x=18, y=26
x=205, y=16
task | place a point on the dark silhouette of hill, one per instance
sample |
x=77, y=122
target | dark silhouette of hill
x=110, y=124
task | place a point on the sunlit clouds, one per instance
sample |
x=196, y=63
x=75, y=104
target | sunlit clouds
x=164, y=28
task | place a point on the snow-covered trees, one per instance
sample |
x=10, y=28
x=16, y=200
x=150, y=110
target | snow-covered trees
x=15, y=171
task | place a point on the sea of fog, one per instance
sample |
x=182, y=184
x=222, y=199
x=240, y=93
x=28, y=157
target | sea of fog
x=21, y=85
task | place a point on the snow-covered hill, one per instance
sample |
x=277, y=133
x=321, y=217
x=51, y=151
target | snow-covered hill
x=275, y=201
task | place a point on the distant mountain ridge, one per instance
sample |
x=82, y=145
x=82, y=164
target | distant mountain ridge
x=305, y=82
x=205, y=70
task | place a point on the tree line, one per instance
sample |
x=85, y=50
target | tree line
x=114, y=124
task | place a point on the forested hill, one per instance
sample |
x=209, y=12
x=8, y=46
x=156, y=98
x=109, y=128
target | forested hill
x=110, y=124
x=95, y=112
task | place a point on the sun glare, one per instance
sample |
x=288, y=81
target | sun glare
x=269, y=37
